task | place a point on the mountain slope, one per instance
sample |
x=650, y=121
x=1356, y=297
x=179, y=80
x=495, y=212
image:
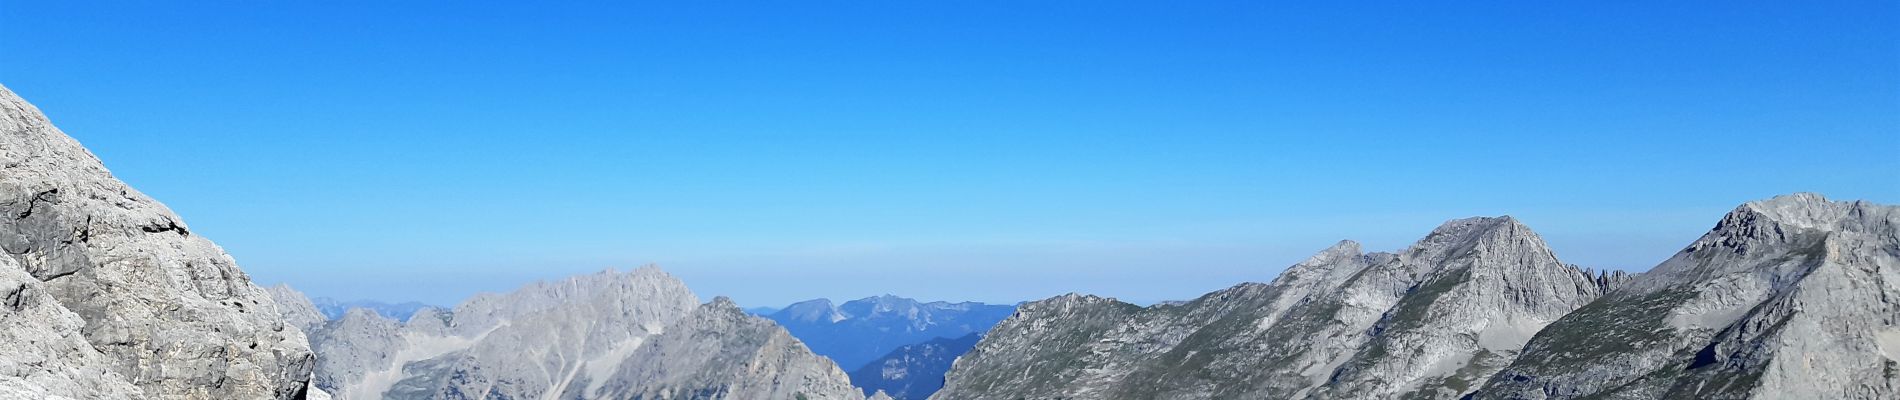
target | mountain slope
x=1792, y=297
x=859, y=331
x=606, y=335
x=42, y=352
x=1424, y=322
x=164, y=308
x=758, y=360
x=913, y=371
x=296, y=308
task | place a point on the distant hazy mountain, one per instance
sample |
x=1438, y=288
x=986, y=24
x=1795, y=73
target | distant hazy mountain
x=761, y=311
x=612, y=335
x=333, y=309
x=913, y=371
x=859, y=331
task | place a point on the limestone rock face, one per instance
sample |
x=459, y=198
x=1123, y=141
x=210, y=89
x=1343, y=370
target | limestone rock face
x=1785, y=298
x=1788, y=298
x=1432, y=321
x=721, y=352
x=42, y=353
x=162, y=307
x=606, y=335
x=296, y=308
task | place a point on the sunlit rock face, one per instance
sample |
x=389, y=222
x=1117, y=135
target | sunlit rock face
x=111, y=295
x=635, y=334
x=1432, y=321
x=1786, y=298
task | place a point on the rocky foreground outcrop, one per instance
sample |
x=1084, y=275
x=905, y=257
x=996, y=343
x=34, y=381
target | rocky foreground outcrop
x=106, y=294
x=1786, y=298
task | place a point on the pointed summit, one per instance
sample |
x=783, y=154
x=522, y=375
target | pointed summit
x=295, y=307
x=1425, y=322
x=811, y=311
x=1796, y=280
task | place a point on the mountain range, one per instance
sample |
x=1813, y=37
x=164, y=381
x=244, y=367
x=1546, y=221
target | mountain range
x=860, y=331
x=635, y=334
x=107, y=294
x=917, y=340
x=1789, y=297
x=333, y=308
x=913, y=371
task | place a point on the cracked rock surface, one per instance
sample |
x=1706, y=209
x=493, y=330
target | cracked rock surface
x=121, y=297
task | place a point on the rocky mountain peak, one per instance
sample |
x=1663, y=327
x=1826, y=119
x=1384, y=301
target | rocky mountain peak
x=1071, y=302
x=1793, y=280
x=1800, y=209
x=816, y=310
x=171, y=311
x=725, y=304
x=880, y=304
x=1426, y=322
x=295, y=307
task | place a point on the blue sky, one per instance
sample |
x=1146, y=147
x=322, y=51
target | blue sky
x=992, y=151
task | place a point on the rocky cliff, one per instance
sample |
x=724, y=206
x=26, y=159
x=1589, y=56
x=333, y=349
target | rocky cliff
x=1431, y=321
x=111, y=295
x=1791, y=297
x=1795, y=297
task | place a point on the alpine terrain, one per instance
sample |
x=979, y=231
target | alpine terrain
x=913, y=371
x=1431, y=321
x=1795, y=297
x=613, y=335
x=106, y=294
x=860, y=331
x=333, y=308
x=1785, y=298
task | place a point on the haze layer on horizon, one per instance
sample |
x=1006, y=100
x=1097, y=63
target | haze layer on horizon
x=987, y=151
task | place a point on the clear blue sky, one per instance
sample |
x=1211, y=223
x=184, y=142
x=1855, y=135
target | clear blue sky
x=995, y=151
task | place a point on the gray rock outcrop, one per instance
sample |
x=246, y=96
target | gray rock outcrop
x=296, y=308
x=158, y=307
